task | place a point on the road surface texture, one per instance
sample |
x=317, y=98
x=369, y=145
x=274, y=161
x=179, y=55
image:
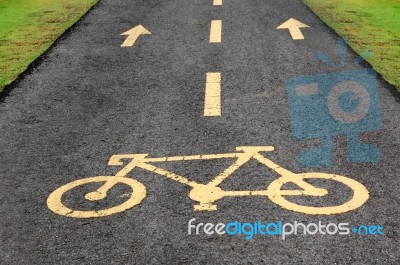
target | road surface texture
x=90, y=98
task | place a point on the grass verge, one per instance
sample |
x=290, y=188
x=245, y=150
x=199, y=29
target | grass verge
x=28, y=28
x=367, y=24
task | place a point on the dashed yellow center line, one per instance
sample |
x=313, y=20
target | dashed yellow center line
x=218, y=2
x=215, y=31
x=212, y=103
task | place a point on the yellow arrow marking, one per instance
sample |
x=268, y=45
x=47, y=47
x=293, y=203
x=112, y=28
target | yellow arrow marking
x=133, y=34
x=215, y=32
x=294, y=26
x=212, y=103
x=218, y=2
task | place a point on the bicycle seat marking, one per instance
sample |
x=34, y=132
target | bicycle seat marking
x=206, y=195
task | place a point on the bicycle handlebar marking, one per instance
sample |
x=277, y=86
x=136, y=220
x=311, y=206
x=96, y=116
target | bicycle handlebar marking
x=208, y=194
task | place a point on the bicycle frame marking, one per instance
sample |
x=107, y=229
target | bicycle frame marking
x=207, y=194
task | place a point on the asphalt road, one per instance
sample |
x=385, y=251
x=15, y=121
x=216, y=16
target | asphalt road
x=90, y=99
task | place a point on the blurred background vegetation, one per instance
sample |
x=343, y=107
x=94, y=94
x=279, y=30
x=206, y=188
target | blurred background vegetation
x=367, y=24
x=29, y=27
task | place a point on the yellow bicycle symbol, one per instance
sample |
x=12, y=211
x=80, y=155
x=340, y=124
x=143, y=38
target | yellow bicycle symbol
x=207, y=194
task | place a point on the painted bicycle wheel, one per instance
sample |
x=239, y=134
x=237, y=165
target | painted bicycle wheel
x=279, y=195
x=55, y=204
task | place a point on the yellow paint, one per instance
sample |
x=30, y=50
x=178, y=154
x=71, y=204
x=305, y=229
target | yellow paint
x=360, y=194
x=216, y=31
x=54, y=202
x=218, y=2
x=294, y=26
x=212, y=102
x=206, y=195
x=133, y=34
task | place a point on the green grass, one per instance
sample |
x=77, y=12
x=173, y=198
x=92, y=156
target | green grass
x=367, y=24
x=29, y=27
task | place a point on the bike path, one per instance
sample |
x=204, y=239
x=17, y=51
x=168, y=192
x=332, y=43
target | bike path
x=90, y=99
